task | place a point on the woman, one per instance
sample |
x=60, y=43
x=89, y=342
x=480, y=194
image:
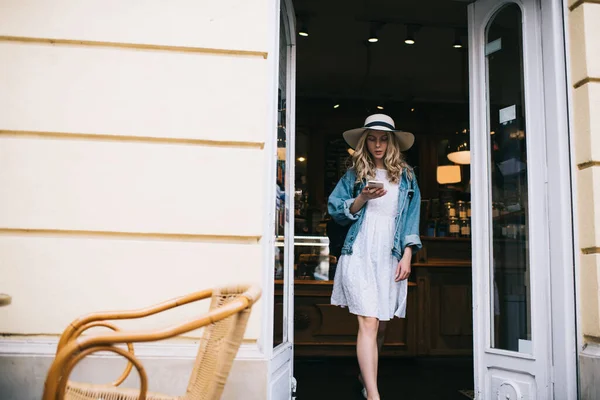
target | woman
x=371, y=277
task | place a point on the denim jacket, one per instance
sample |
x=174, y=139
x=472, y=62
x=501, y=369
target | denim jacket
x=407, y=217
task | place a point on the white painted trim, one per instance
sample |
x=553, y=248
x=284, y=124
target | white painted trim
x=560, y=165
x=170, y=350
x=281, y=364
x=281, y=356
x=480, y=237
x=579, y=339
x=290, y=20
x=581, y=346
x=268, y=239
x=276, y=355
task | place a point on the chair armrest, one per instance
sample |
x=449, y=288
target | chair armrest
x=82, y=323
x=121, y=337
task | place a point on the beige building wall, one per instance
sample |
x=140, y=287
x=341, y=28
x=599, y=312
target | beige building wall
x=132, y=159
x=584, y=29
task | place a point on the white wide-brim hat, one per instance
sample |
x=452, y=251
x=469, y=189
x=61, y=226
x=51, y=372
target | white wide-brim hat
x=380, y=122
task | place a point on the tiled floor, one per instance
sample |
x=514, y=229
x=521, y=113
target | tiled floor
x=403, y=379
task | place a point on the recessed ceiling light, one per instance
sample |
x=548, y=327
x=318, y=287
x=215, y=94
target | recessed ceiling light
x=457, y=42
x=410, y=34
x=375, y=26
x=303, y=27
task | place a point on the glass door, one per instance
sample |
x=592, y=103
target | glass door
x=280, y=377
x=284, y=188
x=511, y=286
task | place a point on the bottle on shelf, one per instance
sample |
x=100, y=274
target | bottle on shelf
x=465, y=227
x=462, y=209
x=453, y=227
x=450, y=209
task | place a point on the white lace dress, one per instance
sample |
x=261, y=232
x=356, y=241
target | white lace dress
x=364, y=280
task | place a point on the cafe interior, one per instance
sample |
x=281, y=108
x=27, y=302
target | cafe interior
x=409, y=60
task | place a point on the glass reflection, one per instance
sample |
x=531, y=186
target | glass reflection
x=511, y=319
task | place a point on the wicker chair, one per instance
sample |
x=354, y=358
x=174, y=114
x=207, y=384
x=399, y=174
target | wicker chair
x=225, y=324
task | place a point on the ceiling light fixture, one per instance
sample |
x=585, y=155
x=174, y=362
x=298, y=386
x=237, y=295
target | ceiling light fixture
x=380, y=107
x=375, y=27
x=459, y=148
x=336, y=105
x=410, y=34
x=373, y=36
x=303, y=27
x=457, y=42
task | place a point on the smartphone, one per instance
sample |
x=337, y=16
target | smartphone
x=375, y=184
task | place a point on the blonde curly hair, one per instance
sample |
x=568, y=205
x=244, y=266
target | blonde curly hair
x=394, y=161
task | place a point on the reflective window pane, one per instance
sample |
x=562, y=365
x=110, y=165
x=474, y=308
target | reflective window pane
x=510, y=294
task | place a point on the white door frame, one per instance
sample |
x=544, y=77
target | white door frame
x=288, y=317
x=562, y=220
x=280, y=359
x=545, y=76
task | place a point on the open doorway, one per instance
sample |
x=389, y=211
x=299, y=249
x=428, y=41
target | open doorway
x=408, y=60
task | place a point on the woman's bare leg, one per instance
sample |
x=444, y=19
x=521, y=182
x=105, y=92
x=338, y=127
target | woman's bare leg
x=380, y=340
x=366, y=351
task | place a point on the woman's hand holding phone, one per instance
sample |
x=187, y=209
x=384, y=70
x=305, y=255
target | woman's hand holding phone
x=368, y=193
x=371, y=193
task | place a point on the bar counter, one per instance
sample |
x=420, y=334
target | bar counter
x=438, y=316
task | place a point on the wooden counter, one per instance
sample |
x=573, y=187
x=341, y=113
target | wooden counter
x=438, y=317
x=321, y=329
